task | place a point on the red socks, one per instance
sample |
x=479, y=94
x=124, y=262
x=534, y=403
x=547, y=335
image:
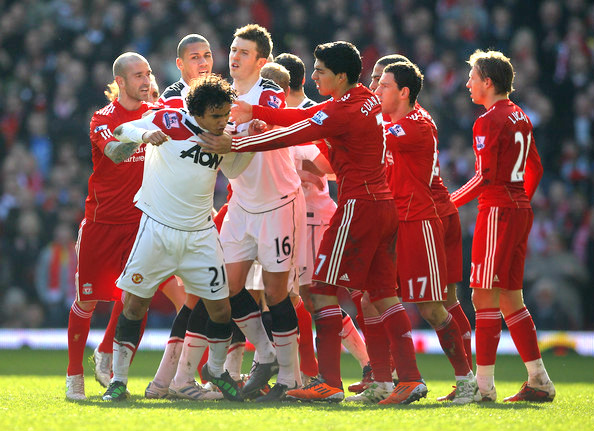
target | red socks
x=450, y=340
x=106, y=345
x=488, y=333
x=523, y=332
x=79, y=323
x=398, y=329
x=328, y=327
x=307, y=355
x=465, y=330
x=378, y=349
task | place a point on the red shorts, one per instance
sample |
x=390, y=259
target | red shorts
x=102, y=250
x=452, y=233
x=499, y=247
x=358, y=249
x=421, y=261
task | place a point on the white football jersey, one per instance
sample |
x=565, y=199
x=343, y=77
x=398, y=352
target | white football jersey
x=271, y=176
x=319, y=204
x=179, y=178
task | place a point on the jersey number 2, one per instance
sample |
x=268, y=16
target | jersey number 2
x=520, y=165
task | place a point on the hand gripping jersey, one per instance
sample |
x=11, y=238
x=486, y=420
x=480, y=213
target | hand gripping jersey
x=112, y=186
x=175, y=95
x=179, y=178
x=413, y=143
x=271, y=176
x=352, y=126
x=507, y=166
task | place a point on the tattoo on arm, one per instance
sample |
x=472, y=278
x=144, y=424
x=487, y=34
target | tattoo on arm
x=120, y=151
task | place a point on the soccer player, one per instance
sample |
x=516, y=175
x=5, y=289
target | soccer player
x=448, y=214
x=320, y=209
x=107, y=232
x=185, y=347
x=354, y=253
x=508, y=171
x=264, y=221
x=412, y=139
x=103, y=353
x=177, y=234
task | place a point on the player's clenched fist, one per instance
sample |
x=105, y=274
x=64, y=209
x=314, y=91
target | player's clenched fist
x=155, y=137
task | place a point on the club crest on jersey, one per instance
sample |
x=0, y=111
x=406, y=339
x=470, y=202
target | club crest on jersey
x=137, y=278
x=274, y=101
x=170, y=120
x=480, y=142
x=319, y=117
x=397, y=130
x=87, y=289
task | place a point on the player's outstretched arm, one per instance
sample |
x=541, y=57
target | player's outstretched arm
x=130, y=137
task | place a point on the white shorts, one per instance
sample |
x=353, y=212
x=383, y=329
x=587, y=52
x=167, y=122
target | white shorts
x=254, y=279
x=276, y=238
x=160, y=251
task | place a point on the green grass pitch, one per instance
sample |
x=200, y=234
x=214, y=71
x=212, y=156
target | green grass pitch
x=32, y=398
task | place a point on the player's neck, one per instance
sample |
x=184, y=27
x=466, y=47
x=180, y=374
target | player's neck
x=128, y=103
x=295, y=98
x=493, y=99
x=243, y=86
x=342, y=90
x=401, y=113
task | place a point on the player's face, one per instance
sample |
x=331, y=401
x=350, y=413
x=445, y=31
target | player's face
x=243, y=59
x=137, y=81
x=375, y=76
x=388, y=93
x=215, y=119
x=477, y=87
x=196, y=61
x=326, y=81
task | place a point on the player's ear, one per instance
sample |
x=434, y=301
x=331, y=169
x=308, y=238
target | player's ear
x=178, y=63
x=120, y=81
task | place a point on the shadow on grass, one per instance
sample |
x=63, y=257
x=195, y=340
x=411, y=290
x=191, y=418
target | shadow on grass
x=140, y=403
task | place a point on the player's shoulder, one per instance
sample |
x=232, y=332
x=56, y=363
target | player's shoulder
x=177, y=123
x=306, y=103
x=174, y=90
x=106, y=111
x=267, y=84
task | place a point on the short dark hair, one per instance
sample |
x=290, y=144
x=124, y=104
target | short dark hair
x=340, y=57
x=295, y=67
x=187, y=40
x=258, y=34
x=407, y=74
x=494, y=65
x=209, y=91
x=392, y=58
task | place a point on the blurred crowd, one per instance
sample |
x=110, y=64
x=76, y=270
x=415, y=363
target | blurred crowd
x=55, y=61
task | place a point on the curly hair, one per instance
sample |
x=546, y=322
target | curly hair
x=209, y=91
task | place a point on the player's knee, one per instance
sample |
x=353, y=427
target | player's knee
x=434, y=313
x=135, y=307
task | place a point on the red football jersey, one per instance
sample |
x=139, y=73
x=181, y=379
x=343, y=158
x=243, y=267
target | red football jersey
x=441, y=195
x=112, y=186
x=508, y=166
x=413, y=144
x=352, y=127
